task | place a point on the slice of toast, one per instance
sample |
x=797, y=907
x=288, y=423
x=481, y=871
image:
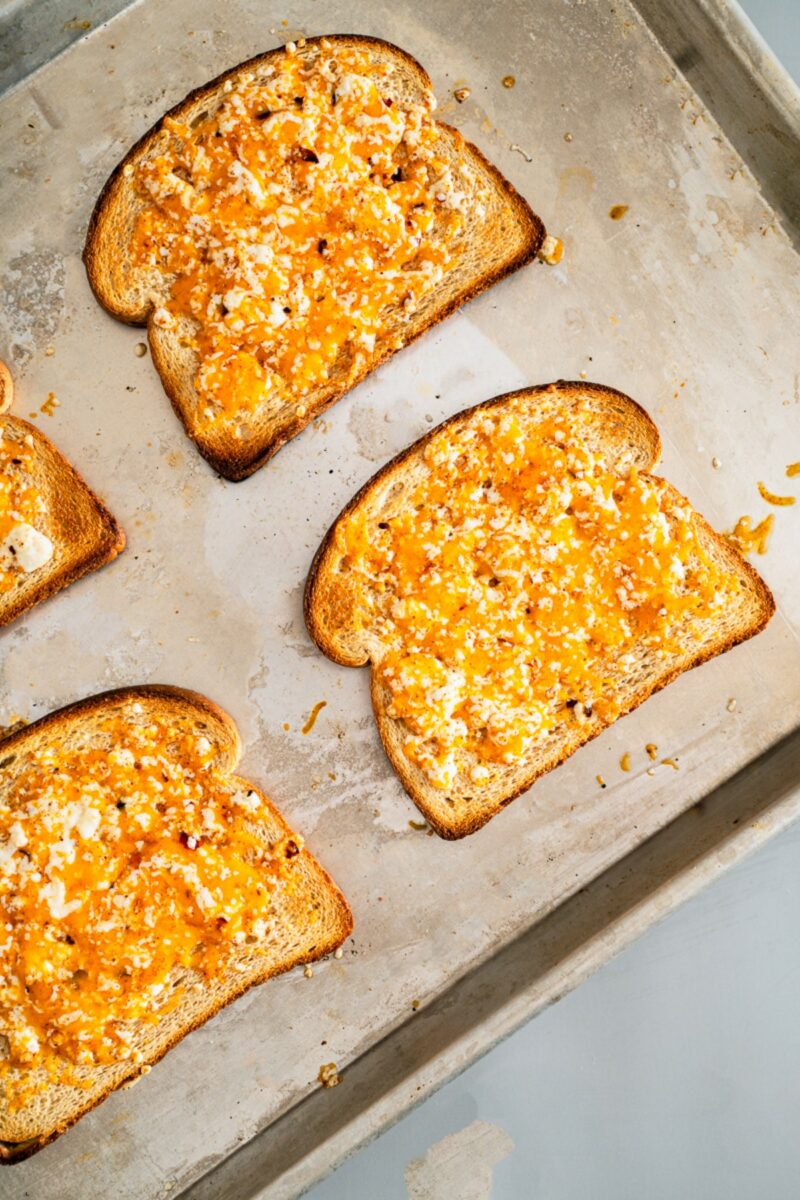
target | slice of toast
x=83, y=532
x=308, y=918
x=342, y=622
x=501, y=234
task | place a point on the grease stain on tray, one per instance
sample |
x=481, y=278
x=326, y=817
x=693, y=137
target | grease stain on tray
x=461, y=1164
x=32, y=298
x=573, y=198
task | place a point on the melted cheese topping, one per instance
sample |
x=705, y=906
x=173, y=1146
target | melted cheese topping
x=521, y=577
x=119, y=866
x=297, y=221
x=22, y=509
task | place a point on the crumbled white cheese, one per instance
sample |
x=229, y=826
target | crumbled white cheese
x=26, y=547
x=54, y=893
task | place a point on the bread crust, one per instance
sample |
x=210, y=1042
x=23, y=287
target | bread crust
x=169, y=698
x=321, y=618
x=235, y=461
x=82, y=545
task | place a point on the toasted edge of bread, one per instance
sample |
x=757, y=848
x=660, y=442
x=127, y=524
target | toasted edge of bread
x=181, y=704
x=236, y=460
x=84, y=532
x=327, y=613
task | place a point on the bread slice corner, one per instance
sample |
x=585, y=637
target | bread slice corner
x=84, y=533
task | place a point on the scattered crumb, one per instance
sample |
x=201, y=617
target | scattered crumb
x=415, y=1005
x=76, y=24
x=583, y=375
x=651, y=771
x=15, y=722
x=772, y=498
x=286, y=726
x=731, y=705
x=567, y=137
x=509, y=81
x=140, y=349
x=793, y=469
x=328, y=1075
x=617, y=211
x=551, y=250
x=50, y=404
x=461, y=94
x=670, y=762
x=518, y=150
x=309, y=971
x=338, y=952
x=332, y=776
x=50, y=351
x=625, y=762
x=601, y=781
x=716, y=464
x=418, y=824
x=652, y=751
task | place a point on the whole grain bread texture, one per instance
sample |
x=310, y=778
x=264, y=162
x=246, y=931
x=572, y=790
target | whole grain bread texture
x=501, y=236
x=84, y=533
x=309, y=919
x=623, y=433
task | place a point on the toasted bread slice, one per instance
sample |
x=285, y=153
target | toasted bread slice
x=84, y=534
x=338, y=619
x=502, y=234
x=307, y=920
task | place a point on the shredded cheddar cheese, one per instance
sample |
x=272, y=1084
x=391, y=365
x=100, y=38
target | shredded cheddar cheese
x=773, y=498
x=749, y=538
x=121, y=863
x=22, y=510
x=294, y=222
x=516, y=584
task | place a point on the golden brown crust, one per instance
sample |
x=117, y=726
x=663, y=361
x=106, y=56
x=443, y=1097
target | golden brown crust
x=6, y=389
x=321, y=618
x=317, y=880
x=86, y=534
x=237, y=462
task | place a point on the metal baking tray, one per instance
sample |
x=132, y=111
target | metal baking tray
x=688, y=303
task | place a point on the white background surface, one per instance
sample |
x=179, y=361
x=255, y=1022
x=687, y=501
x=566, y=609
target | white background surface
x=674, y=1072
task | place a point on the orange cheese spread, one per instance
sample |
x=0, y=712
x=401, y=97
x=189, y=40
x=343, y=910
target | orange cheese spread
x=295, y=221
x=21, y=505
x=118, y=867
x=518, y=581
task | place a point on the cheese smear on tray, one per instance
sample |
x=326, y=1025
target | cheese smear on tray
x=23, y=547
x=120, y=868
x=300, y=218
x=519, y=581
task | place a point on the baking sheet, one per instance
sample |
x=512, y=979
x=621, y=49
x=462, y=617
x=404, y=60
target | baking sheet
x=685, y=304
